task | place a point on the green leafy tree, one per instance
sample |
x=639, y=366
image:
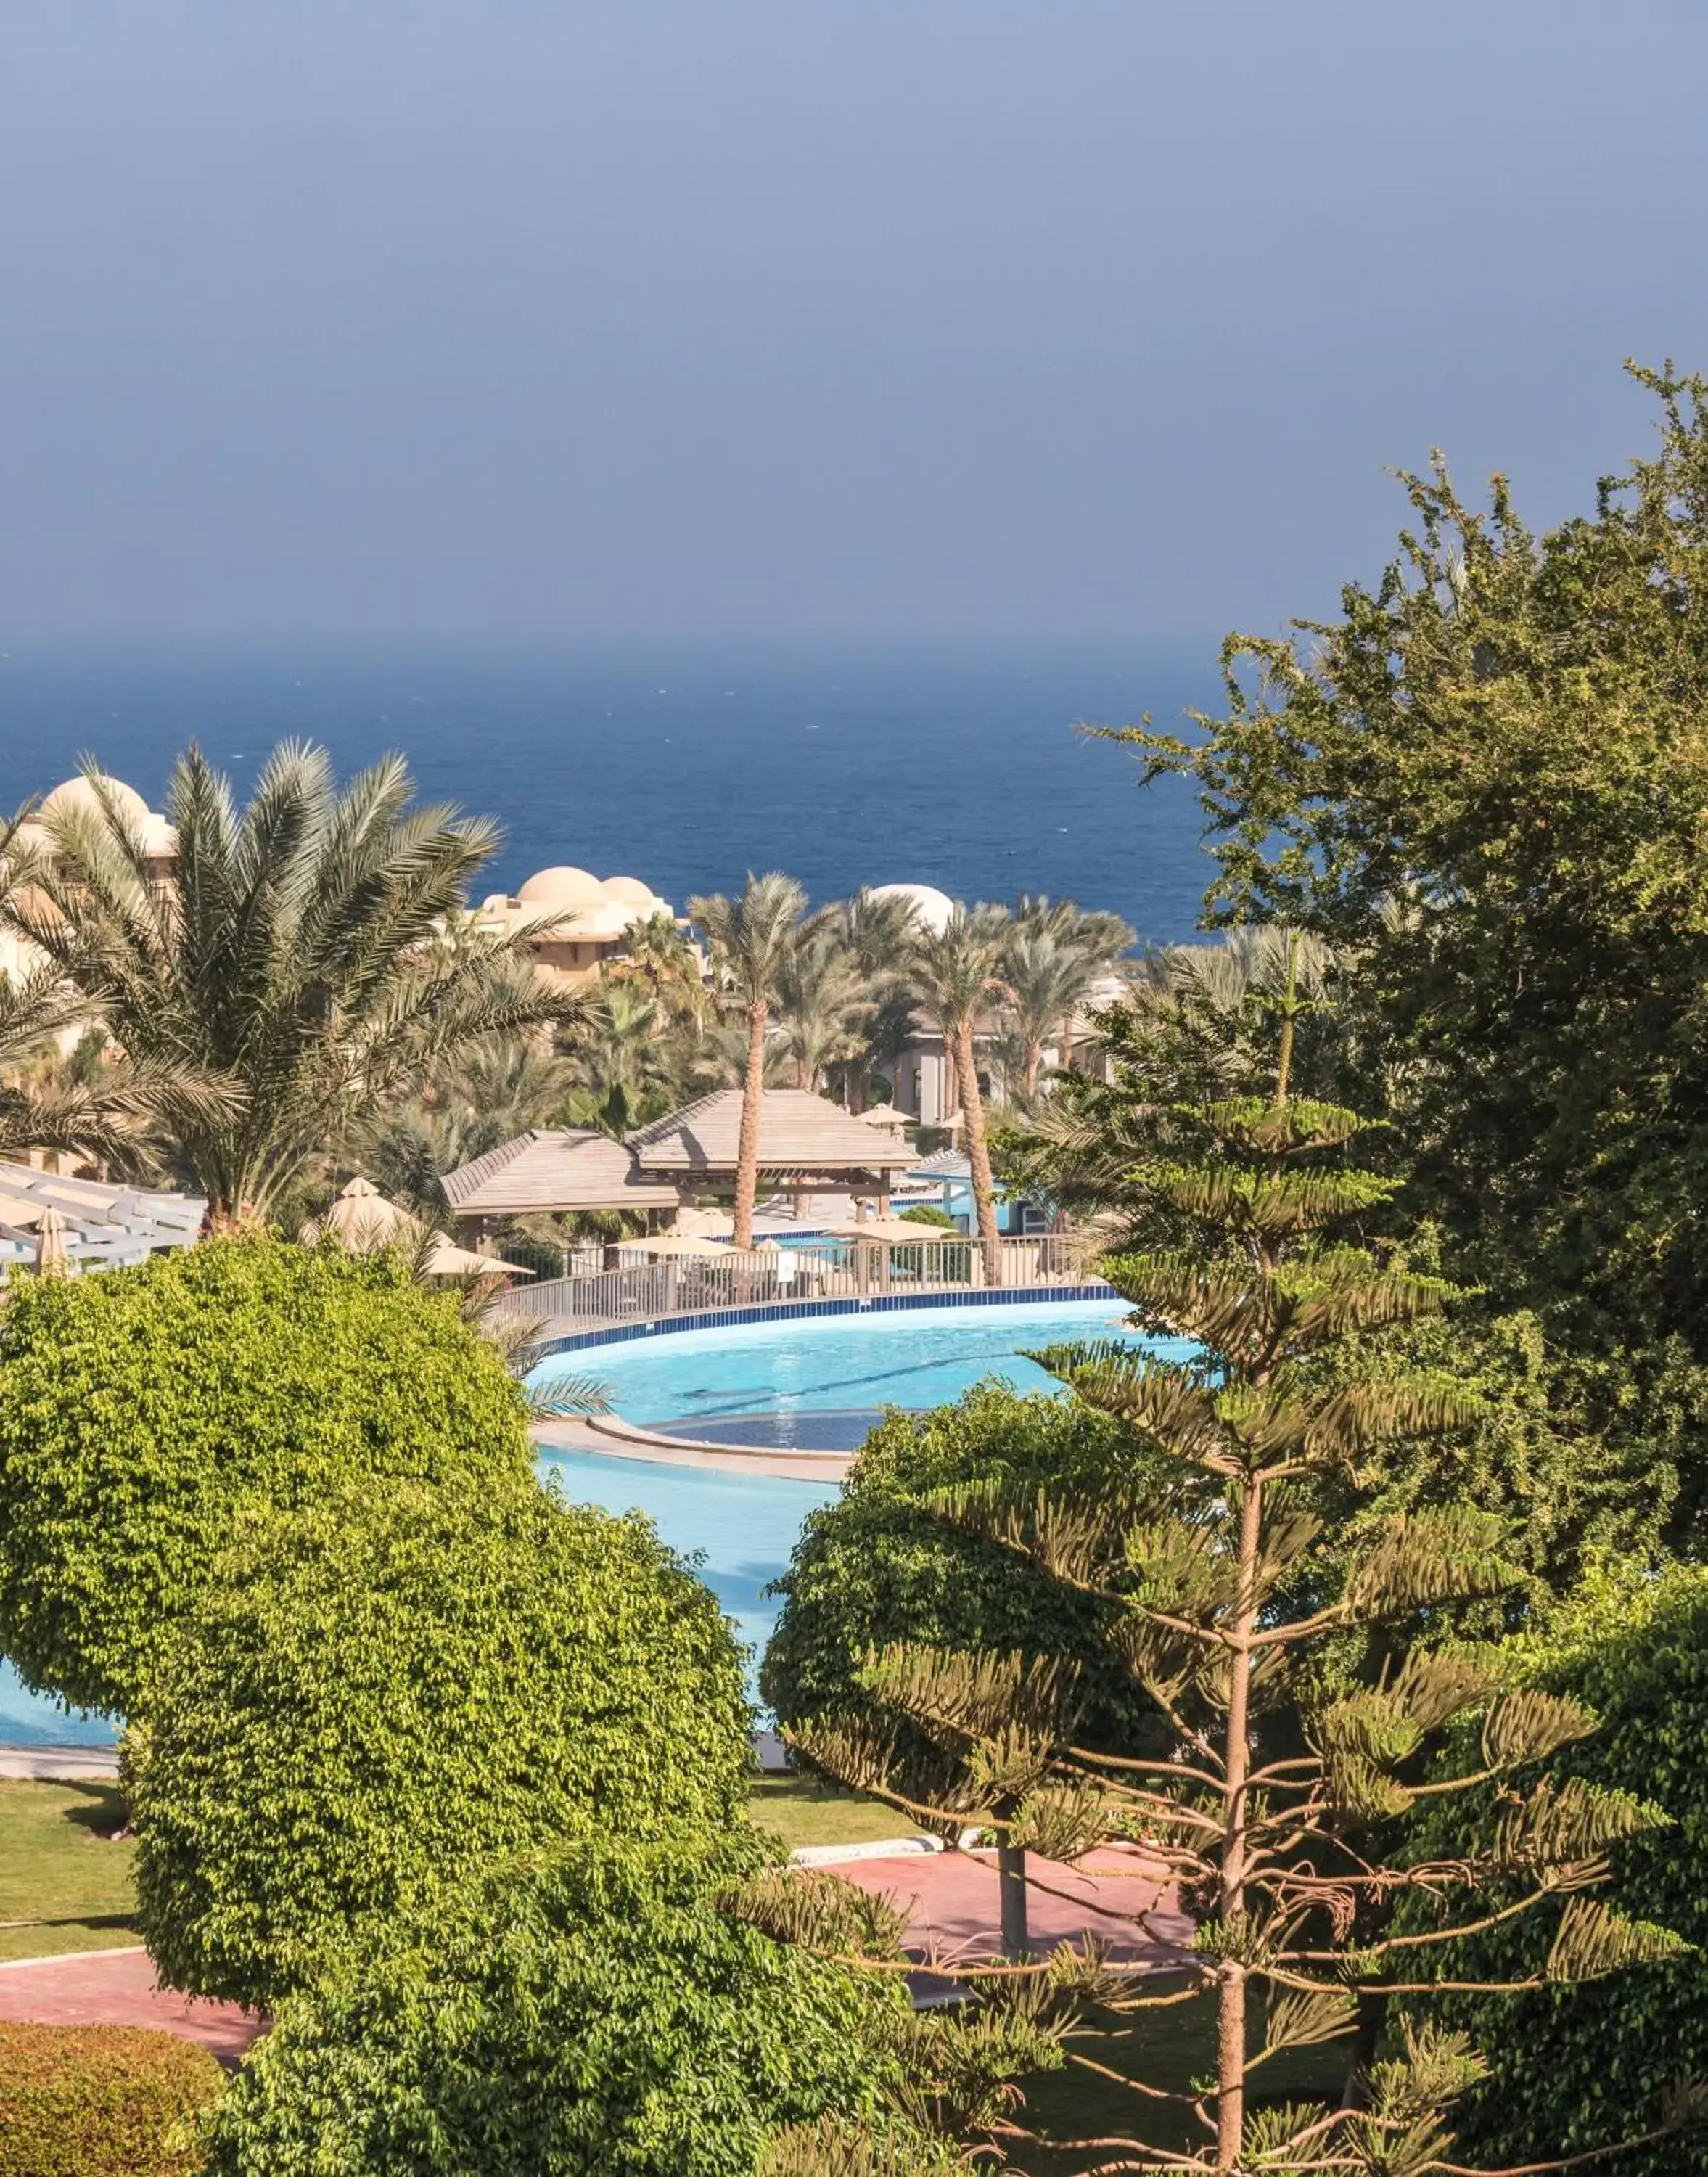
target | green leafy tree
x=304, y=960
x=958, y=971
x=1486, y=780
x=1570, y=2074
x=595, y=2011
x=753, y=939
x=373, y=1696
x=1301, y=1731
x=881, y=1564
x=139, y=1410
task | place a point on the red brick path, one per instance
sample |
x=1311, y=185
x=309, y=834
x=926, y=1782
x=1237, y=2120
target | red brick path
x=953, y=1913
x=117, y=1987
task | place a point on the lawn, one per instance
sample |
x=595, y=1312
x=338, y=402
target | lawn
x=803, y=1810
x=64, y=1885
x=1164, y=2047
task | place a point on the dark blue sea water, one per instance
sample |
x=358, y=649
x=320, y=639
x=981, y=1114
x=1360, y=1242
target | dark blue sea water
x=686, y=765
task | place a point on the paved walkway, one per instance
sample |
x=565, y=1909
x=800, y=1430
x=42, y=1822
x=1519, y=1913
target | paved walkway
x=117, y=1987
x=954, y=1913
x=952, y=1916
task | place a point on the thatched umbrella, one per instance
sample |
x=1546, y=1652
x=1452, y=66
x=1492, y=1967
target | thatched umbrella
x=363, y=1220
x=52, y=1255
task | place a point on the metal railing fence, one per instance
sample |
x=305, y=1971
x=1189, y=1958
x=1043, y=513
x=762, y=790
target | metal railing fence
x=687, y=1284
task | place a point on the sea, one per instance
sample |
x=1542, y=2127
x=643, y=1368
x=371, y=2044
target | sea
x=686, y=764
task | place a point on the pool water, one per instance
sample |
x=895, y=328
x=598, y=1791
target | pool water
x=737, y=1530
x=857, y=1363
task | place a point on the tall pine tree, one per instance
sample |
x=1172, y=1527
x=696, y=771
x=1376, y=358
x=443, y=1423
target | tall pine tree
x=1305, y=1716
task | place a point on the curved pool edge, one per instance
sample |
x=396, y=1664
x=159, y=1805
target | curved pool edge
x=608, y=1436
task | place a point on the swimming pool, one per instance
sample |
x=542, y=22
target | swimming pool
x=847, y=1367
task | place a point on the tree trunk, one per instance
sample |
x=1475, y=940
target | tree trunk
x=979, y=1156
x=1231, y=2023
x=752, y=1105
x=1034, y=1060
x=1011, y=1889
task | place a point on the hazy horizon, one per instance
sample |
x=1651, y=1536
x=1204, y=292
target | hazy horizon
x=655, y=320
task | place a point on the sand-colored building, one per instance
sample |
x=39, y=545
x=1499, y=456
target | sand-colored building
x=580, y=921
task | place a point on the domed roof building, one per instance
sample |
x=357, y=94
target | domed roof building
x=583, y=922
x=934, y=909
x=85, y=791
x=72, y=798
x=564, y=886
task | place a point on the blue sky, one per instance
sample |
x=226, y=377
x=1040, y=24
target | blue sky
x=961, y=317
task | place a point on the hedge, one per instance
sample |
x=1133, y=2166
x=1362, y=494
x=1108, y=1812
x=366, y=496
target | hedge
x=371, y=1697
x=102, y=2101
x=139, y=1409
x=1578, y=2067
x=591, y=2014
x=878, y=1566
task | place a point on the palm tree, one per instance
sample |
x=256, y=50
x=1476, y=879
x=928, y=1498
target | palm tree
x=619, y=1057
x=958, y=971
x=1047, y=979
x=309, y=957
x=658, y=953
x=752, y=939
x=879, y=931
x=81, y=1101
x=823, y=1000
x=496, y=1089
x=1060, y=944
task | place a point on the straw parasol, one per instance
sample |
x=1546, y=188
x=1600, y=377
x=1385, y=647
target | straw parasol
x=893, y=1231
x=52, y=1255
x=363, y=1220
x=678, y=1243
x=445, y=1259
x=887, y=1117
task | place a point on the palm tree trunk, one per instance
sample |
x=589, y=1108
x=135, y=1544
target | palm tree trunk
x=1034, y=1060
x=752, y=1105
x=978, y=1155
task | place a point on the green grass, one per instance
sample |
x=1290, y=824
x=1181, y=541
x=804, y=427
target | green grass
x=64, y=1885
x=803, y=1810
x=1164, y=2047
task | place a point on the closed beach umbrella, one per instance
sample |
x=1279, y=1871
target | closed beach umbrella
x=52, y=1255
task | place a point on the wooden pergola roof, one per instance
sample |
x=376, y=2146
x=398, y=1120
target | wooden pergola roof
x=797, y=1132
x=553, y=1169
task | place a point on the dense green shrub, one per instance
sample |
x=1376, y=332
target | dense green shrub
x=370, y=1698
x=591, y=2015
x=878, y=1566
x=1577, y=2067
x=102, y=2101
x=138, y=1409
